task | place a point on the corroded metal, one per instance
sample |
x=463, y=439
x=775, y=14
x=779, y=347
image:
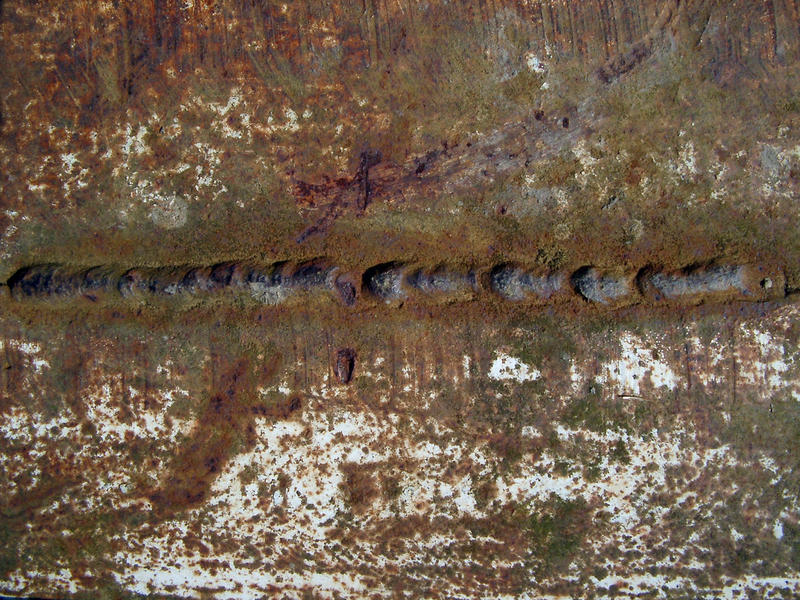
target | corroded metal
x=446, y=299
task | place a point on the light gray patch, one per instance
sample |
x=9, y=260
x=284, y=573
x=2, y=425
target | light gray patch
x=169, y=212
x=514, y=283
x=770, y=160
x=269, y=293
x=718, y=279
x=386, y=281
x=442, y=281
x=603, y=288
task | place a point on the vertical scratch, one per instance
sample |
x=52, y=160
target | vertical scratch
x=688, y=367
x=733, y=361
x=772, y=50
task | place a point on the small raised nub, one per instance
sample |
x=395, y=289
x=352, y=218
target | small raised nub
x=39, y=281
x=713, y=282
x=603, y=287
x=515, y=283
x=386, y=281
x=443, y=283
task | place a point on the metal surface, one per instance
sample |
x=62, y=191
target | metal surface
x=452, y=299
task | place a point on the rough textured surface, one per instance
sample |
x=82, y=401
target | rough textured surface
x=385, y=299
x=603, y=288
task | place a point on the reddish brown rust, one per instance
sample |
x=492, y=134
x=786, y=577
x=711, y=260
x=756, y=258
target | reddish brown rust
x=345, y=363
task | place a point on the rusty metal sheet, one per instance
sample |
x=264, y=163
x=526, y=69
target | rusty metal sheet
x=446, y=299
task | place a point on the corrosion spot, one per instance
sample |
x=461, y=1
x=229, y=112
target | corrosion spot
x=347, y=291
x=294, y=404
x=345, y=363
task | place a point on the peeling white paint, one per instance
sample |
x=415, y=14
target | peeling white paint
x=509, y=367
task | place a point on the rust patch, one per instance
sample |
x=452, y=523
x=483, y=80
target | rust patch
x=359, y=485
x=345, y=363
x=225, y=423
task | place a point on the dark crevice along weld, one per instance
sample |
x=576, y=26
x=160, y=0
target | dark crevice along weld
x=397, y=282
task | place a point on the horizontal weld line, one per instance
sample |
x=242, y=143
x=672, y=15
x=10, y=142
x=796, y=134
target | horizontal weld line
x=396, y=282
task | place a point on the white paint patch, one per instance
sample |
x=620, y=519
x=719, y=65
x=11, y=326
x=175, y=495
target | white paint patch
x=770, y=369
x=508, y=367
x=68, y=161
x=587, y=162
x=296, y=465
x=738, y=590
x=535, y=64
x=777, y=529
x=291, y=124
x=134, y=142
x=687, y=157
x=463, y=499
x=104, y=410
x=30, y=349
x=636, y=363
